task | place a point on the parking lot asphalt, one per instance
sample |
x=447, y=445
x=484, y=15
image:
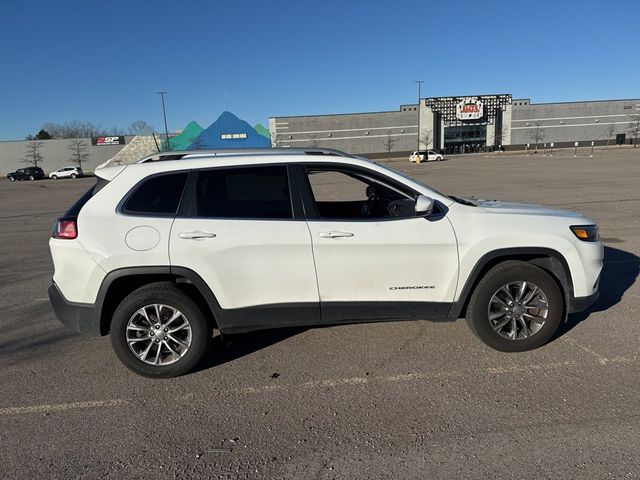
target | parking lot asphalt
x=384, y=400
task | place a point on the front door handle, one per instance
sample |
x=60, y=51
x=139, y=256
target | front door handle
x=335, y=234
x=196, y=235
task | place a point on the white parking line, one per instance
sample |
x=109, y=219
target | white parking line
x=331, y=383
x=61, y=407
x=601, y=358
x=406, y=377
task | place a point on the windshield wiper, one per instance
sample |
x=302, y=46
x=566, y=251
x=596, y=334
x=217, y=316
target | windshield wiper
x=462, y=201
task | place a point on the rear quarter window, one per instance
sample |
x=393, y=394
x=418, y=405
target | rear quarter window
x=157, y=196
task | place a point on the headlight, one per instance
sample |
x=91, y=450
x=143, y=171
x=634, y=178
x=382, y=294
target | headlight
x=587, y=233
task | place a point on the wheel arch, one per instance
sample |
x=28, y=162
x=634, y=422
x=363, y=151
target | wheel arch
x=121, y=282
x=551, y=261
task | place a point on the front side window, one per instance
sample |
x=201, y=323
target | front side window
x=343, y=194
x=248, y=192
x=158, y=195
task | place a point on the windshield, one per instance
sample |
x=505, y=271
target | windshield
x=413, y=179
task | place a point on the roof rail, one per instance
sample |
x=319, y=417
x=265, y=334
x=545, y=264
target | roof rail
x=177, y=155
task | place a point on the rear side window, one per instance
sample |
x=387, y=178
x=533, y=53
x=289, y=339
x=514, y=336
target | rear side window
x=255, y=192
x=158, y=195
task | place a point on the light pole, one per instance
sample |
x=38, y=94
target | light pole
x=419, y=82
x=164, y=113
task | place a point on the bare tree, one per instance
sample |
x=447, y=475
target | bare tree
x=79, y=151
x=388, y=143
x=610, y=130
x=33, y=156
x=425, y=139
x=140, y=127
x=537, y=135
x=634, y=128
x=114, y=131
x=73, y=129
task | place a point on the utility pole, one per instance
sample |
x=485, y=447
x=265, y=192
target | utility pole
x=419, y=82
x=164, y=113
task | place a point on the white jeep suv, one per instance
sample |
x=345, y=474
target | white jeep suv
x=160, y=252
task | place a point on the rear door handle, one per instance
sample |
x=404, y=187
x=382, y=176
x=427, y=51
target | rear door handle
x=196, y=235
x=335, y=234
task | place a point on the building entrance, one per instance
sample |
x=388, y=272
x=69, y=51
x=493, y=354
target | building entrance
x=465, y=139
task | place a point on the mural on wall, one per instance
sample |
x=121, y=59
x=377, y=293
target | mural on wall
x=186, y=137
x=263, y=131
x=228, y=131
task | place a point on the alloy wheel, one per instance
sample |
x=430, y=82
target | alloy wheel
x=518, y=310
x=158, y=334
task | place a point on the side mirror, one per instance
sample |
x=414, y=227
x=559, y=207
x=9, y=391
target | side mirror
x=424, y=205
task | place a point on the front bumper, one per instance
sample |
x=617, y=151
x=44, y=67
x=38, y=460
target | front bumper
x=81, y=317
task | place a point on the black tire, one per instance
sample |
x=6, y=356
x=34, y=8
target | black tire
x=54, y=177
x=170, y=295
x=73, y=175
x=514, y=271
x=32, y=178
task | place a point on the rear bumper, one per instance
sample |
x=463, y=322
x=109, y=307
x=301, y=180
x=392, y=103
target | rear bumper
x=578, y=304
x=81, y=317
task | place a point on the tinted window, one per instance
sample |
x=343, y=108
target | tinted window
x=256, y=192
x=157, y=196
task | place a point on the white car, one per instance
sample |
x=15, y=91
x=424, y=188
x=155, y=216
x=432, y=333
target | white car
x=425, y=156
x=160, y=252
x=66, y=172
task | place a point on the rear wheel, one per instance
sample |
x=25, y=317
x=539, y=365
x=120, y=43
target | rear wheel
x=515, y=307
x=158, y=331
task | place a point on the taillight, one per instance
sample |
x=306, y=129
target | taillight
x=65, y=228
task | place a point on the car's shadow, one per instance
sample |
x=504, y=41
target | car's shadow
x=618, y=275
x=230, y=347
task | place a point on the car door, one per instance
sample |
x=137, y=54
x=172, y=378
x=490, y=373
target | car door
x=242, y=235
x=382, y=262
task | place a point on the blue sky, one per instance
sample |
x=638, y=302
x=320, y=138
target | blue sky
x=103, y=61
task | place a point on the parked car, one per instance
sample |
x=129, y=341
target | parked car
x=66, y=172
x=27, y=173
x=425, y=156
x=160, y=252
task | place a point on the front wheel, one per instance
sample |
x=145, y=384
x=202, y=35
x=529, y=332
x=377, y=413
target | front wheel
x=12, y=179
x=158, y=331
x=32, y=178
x=515, y=307
x=54, y=177
x=73, y=175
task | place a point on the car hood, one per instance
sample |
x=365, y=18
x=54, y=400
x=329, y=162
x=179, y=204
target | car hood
x=499, y=206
